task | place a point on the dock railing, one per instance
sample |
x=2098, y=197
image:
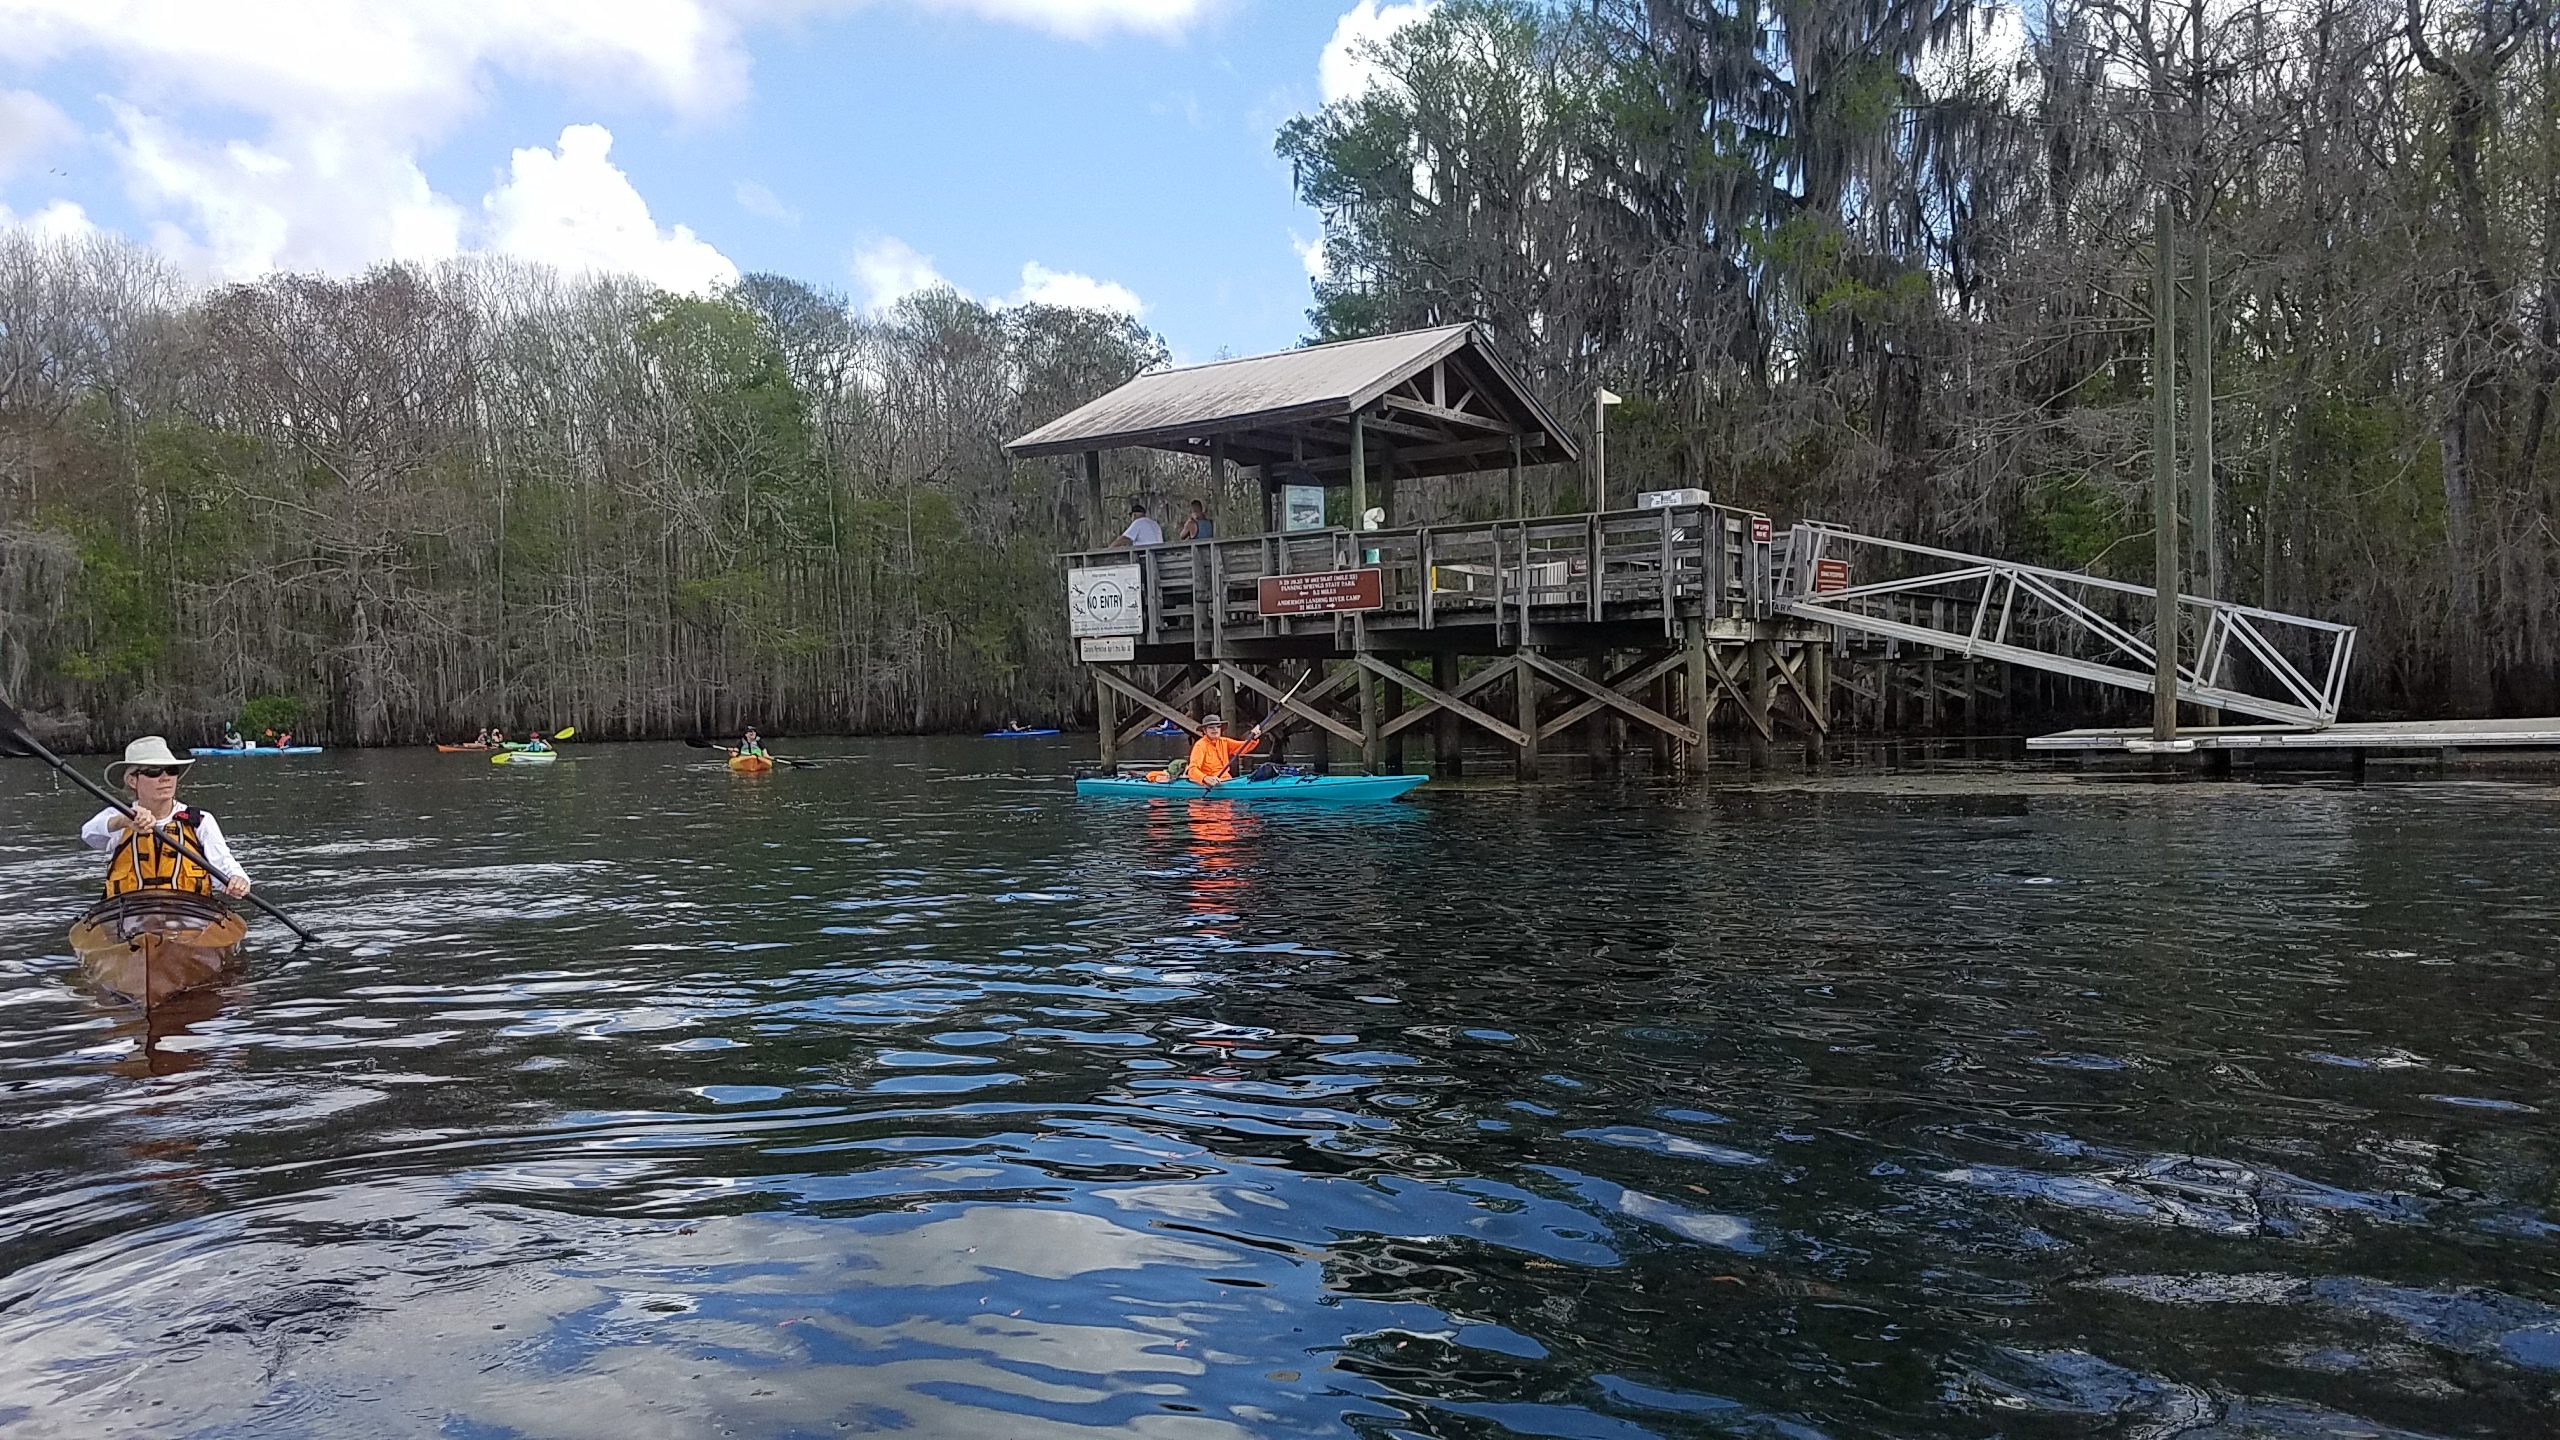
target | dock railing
x=1496, y=577
x=2287, y=668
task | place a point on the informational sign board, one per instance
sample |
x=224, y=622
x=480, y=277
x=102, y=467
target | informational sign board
x=1105, y=600
x=1830, y=577
x=1110, y=647
x=1762, y=532
x=1301, y=507
x=1322, y=592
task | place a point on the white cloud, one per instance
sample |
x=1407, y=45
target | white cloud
x=1310, y=254
x=30, y=126
x=755, y=199
x=60, y=220
x=574, y=210
x=1085, y=19
x=324, y=200
x=259, y=134
x=1044, y=286
x=1347, y=67
x=889, y=270
x=340, y=98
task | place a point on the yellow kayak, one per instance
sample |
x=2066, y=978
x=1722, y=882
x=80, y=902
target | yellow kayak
x=524, y=757
x=751, y=764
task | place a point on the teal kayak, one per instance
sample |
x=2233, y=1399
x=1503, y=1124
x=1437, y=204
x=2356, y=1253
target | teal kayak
x=255, y=750
x=1325, y=789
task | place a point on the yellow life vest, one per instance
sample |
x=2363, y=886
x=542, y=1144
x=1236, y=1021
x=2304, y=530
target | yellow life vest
x=150, y=860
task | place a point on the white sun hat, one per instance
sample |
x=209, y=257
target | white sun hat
x=149, y=752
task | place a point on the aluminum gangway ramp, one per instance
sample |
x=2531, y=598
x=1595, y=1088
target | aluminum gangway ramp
x=2286, y=668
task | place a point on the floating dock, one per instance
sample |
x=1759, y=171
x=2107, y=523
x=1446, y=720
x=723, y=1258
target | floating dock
x=2446, y=737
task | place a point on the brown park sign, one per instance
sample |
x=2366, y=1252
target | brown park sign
x=1321, y=593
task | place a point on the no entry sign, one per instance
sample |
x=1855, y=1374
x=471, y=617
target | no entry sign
x=1321, y=593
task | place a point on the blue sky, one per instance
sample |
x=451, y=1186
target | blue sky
x=1108, y=152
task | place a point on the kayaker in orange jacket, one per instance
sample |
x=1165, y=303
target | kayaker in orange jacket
x=1213, y=754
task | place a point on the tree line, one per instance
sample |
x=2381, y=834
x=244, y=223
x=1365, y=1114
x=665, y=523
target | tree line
x=419, y=502
x=1896, y=265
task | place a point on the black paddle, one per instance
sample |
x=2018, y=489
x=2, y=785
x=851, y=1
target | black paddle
x=21, y=742
x=698, y=743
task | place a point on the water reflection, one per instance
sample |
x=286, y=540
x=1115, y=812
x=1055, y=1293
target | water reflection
x=907, y=1096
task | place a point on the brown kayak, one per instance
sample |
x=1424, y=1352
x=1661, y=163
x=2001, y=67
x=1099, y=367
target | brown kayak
x=150, y=946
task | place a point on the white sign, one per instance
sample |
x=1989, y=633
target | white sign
x=1667, y=499
x=1301, y=507
x=1105, y=600
x=1111, y=647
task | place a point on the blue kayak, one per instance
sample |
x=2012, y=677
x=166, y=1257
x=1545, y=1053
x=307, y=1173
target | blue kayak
x=1323, y=789
x=255, y=750
x=1017, y=734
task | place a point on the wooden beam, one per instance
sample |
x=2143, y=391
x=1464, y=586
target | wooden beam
x=1438, y=699
x=1447, y=416
x=1639, y=674
x=1576, y=680
x=1167, y=709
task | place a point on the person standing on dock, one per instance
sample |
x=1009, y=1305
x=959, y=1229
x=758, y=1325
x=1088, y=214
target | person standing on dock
x=1213, y=754
x=1197, y=525
x=143, y=848
x=1143, y=530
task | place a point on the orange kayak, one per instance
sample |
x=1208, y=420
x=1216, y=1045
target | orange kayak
x=750, y=764
x=461, y=749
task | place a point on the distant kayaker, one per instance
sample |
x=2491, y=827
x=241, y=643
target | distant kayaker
x=751, y=743
x=145, y=854
x=231, y=739
x=533, y=741
x=482, y=739
x=1213, y=754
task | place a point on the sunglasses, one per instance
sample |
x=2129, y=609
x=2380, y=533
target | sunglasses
x=155, y=772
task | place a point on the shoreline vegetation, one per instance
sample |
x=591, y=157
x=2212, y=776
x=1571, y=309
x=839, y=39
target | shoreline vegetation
x=1891, y=268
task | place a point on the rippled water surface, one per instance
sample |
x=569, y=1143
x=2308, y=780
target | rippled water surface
x=910, y=1096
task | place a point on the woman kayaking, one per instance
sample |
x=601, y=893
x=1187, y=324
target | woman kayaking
x=143, y=852
x=750, y=744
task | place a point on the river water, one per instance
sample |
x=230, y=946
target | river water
x=908, y=1095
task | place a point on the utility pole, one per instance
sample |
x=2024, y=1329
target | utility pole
x=2164, y=469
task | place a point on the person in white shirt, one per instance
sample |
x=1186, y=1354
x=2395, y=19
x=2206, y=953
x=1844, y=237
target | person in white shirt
x=143, y=849
x=1143, y=530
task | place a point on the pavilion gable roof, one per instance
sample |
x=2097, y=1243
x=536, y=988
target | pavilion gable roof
x=1436, y=401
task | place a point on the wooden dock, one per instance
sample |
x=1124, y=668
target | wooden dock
x=1663, y=619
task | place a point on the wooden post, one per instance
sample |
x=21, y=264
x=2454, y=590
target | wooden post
x=1761, y=658
x=1445, y=760
x=1519, y=491
x=1391, y=705
x=1270, y=501
x=1093, y=488
x=1817, y=674
x=1702, y=695
x=1527, y=680
x=1103, y=709
x=1227, y=704
x=1369, y=722
x=1359, y=475
x=2164, y=471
